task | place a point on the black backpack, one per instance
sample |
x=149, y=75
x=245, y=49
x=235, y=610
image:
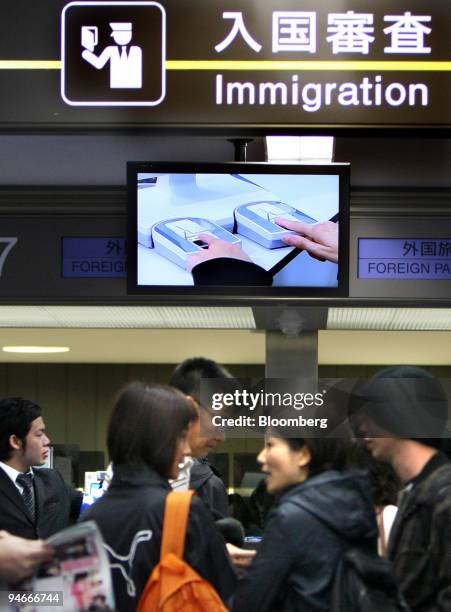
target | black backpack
x=365, y=582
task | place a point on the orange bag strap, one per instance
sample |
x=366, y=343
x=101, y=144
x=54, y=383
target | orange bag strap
x=176, y=513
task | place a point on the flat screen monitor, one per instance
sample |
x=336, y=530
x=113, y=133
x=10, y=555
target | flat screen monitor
x=216, y=231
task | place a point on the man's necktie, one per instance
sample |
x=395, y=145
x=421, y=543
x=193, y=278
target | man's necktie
x=26, y=481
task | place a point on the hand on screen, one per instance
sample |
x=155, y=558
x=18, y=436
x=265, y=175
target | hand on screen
x=319, y=240
x=216, y=248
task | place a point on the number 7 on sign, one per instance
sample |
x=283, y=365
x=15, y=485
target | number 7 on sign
x=9, y=242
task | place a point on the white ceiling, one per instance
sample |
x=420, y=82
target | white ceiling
x=170, y=334
x=207, y=317
x=127, y=317
x=438, y=319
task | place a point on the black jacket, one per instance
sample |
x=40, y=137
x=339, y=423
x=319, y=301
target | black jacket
x=210, y=488
x=306, y=533
x=130, y=517
x=420, y=539
x=57, y=505
x=229, y=271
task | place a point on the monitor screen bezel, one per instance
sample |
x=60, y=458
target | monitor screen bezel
x=231, y=294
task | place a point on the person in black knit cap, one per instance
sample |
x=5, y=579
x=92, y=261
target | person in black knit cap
x=402, y=413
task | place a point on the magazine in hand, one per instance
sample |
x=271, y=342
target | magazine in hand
x=79, y=571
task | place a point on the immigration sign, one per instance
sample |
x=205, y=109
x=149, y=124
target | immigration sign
x=207, y=64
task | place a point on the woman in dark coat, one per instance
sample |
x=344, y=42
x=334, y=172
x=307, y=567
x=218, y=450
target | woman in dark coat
x=322, y=510
x=147, y=441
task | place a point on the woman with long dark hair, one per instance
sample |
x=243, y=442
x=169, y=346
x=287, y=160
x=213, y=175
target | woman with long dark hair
x=147, y=441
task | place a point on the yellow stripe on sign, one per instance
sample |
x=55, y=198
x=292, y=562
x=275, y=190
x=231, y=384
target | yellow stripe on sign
x=30, y=65
x=308, y=65
x=382, y=66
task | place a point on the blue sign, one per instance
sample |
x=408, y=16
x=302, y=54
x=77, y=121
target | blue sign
x=405, y=258
x=94, y=257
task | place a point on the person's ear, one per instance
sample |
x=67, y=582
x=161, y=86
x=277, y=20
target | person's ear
x=15, y=443
x=304, y=457
x=195, y=404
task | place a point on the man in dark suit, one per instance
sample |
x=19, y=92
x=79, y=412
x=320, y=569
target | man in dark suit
x=34, y=502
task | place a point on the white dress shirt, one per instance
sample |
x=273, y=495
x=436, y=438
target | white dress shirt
x=13, y=474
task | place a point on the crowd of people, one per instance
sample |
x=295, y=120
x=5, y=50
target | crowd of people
x=318, y=501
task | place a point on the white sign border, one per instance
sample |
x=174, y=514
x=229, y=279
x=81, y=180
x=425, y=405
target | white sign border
x=106, y=103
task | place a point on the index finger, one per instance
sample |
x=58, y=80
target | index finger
x=296, y=226
x=42, y=554
x=208, y=238
x=245, y=554
x=38, y=550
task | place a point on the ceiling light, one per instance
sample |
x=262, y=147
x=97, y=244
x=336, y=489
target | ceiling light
x=35, y=349
x=300, y=149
